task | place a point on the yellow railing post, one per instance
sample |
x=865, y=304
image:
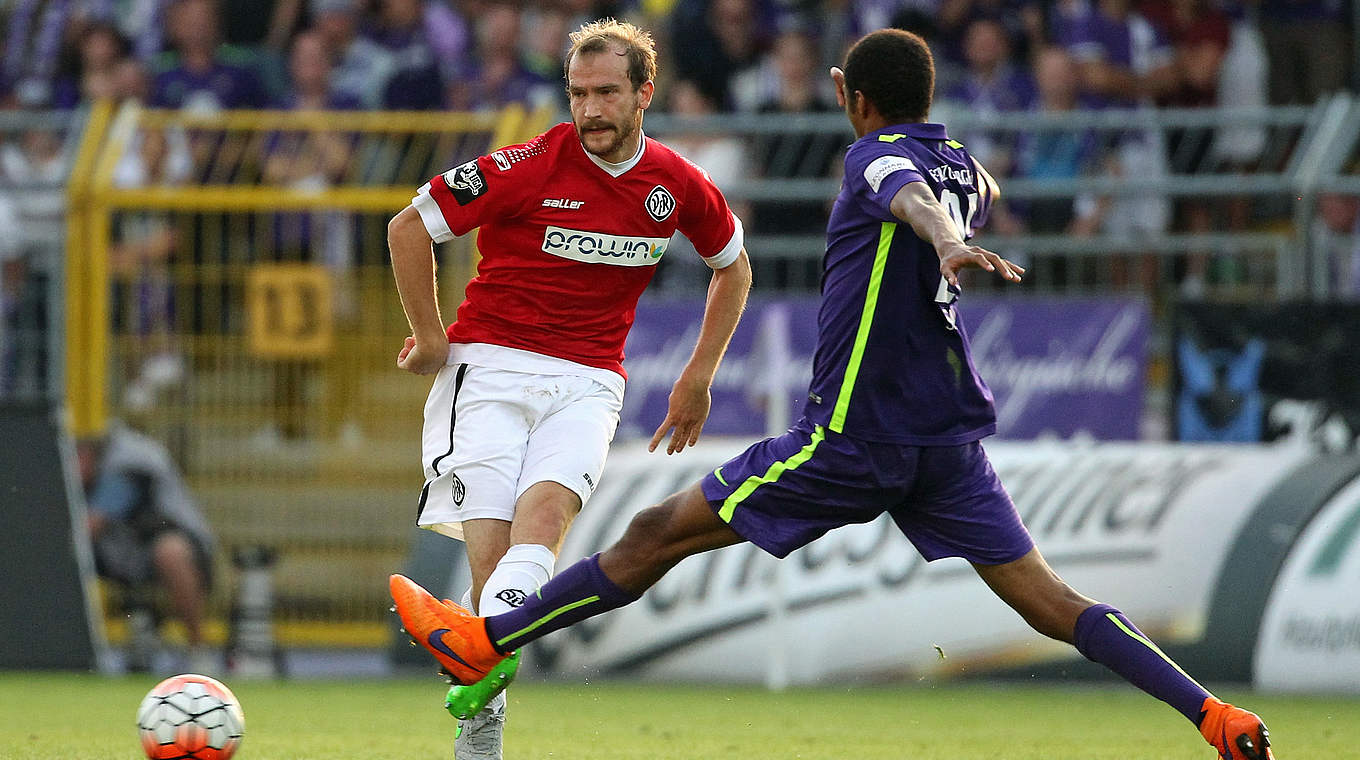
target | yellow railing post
x=79, y=282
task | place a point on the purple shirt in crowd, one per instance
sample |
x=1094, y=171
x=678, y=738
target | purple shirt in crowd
x=223, y=86
x=1130, y=42
x=893, y=362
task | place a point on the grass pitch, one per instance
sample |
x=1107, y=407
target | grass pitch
x=50, y=717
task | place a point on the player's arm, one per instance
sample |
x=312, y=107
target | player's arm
x=916, y=205
x=690, y=399
x=426, y=350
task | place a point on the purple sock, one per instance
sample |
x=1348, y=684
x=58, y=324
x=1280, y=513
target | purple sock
x=579, y=592
x=1105, y=636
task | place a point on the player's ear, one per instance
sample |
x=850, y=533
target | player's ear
x=645, y=92
x=838, y=77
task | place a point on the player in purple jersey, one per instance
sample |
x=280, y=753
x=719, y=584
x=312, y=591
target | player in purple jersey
x=892, y=423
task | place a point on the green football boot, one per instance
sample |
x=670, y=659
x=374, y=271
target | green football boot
x=463, y=702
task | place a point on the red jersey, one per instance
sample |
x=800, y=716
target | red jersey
x=569, y=241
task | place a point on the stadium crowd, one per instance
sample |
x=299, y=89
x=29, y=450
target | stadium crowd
x=994, y=57
x=1000, y=55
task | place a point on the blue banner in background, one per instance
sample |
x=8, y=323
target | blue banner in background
x=1057, y=367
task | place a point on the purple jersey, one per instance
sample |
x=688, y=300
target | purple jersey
x=893, y=362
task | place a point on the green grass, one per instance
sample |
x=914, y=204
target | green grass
x=48, y=717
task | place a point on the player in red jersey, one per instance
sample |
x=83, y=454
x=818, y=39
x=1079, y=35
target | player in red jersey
x=530, y=375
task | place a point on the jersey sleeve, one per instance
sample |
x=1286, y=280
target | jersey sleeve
x=465, y=197
x=707, y=221
x=876, y=176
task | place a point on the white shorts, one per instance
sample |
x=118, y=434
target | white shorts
x=491, y=433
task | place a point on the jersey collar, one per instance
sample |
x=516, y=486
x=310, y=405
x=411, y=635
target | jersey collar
x=617, y=170
x=918, y=130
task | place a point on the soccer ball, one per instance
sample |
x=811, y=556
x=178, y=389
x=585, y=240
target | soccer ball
x=190, y=717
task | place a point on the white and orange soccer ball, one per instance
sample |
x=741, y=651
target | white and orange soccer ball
x=190, y=717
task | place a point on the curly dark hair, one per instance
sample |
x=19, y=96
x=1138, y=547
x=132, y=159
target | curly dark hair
x=895, y=71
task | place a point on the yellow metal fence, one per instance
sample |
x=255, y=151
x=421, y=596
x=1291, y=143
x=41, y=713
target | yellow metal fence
x=230, y=294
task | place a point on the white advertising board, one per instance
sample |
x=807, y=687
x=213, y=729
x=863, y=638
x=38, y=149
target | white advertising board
x=1310, y=634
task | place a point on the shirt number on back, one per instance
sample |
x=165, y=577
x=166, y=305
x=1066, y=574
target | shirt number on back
x=954, y=203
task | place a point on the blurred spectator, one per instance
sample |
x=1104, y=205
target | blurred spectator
x=1123, y=62
x=102, y=47
x=714, y=40
x=147, y=530
x=261, y=30
x=990, y=87
x=1023, y=21
x=1334, y=238
x=722, y=157
x=497, y=75
x=546, y=47
x=1199, y=35
x=309, y=77
x=1307, y=47
x=362, y=68
x=1240, y=146
x=427, y=42
x=37, y=34
x=263, y=23
x=1058, y=154
x=143, y=245
x=11, y=274
x=199, y=78
x=35, y=166
x=791, y=72
x=311, y=160
x=796, y=88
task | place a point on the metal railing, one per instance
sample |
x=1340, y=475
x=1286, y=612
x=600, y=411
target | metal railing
x=1293, y=154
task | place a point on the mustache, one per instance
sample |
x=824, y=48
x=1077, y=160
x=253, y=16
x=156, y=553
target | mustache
x=598, y=125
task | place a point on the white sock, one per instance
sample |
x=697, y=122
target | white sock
x=523, y=569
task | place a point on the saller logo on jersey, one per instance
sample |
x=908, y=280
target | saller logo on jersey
x=660, y=203
x=466, y=182
x=599, y=248
x=879, y=169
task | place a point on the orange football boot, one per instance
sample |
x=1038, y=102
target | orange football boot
x=455, y=637
x=1237, y=734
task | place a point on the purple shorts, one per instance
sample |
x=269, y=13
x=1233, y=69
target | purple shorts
x=784, y=492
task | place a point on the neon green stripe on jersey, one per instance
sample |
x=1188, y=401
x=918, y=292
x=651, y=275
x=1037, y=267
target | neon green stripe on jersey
x=891, y=138
x=771, y=475
x=866, y=320
x=559, y=611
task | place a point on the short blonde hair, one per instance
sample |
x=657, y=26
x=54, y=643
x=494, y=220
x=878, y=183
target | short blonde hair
x=638, y=45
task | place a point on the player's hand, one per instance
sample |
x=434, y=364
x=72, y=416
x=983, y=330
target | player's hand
x=963, y=256
x=685, y=417
x=424, y=358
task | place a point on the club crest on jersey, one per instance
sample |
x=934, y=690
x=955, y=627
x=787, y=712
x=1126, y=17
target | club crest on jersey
x=599, y=248
x=466, y=182
x=660, y=203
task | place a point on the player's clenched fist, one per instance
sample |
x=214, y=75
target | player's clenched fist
x=424, y=358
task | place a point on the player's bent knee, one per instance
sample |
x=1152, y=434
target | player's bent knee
x=172, y=549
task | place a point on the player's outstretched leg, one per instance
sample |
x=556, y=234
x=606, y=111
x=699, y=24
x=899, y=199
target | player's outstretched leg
x=1104, y=635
